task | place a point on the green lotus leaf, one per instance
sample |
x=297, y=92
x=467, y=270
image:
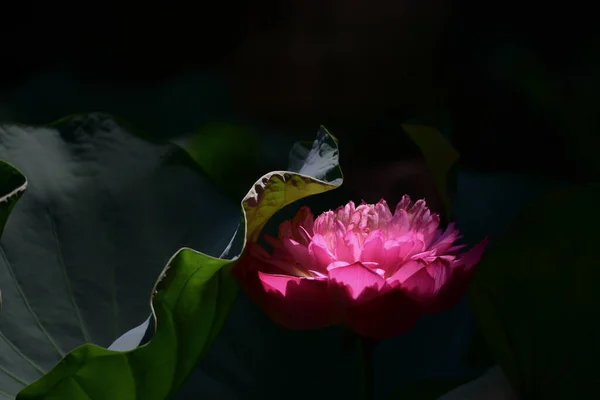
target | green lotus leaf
x=103, y=209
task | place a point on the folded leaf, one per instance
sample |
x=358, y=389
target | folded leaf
x=439, y=155
x=12, y=186
x=190, y=302
x=104, y=211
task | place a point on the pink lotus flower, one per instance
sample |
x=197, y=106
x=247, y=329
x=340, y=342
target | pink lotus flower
x=363, y=266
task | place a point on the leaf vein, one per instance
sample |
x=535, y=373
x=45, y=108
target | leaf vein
x=5, y=395
x=63, y=266
x=20, y=353
x=27, y=304
x=13, y=376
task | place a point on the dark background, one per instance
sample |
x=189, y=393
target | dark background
x=512, y=75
